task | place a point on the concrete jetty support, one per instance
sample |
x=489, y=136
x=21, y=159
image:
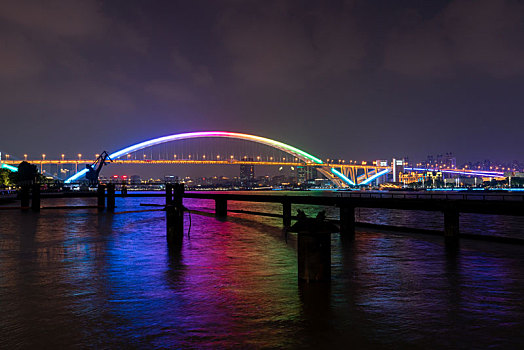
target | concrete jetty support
x=286, y=213
x=347, y=221
x=221, y=208
x=451, y=225
x=174, y=213
x=35, y=197
x=169, y=194
x=101, y=196
x=313, y=247
x=111, y=198
x=24, y=197
x=314, y=256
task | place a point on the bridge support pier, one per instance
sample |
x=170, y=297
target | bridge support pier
x=111, y=198
x=221, y=208
x=286, y=213
x=101, y=196
x=347, y=221
x=35, y=197
x=451, y=225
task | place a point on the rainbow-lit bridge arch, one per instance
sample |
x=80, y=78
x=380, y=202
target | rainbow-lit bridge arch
x=332, y=174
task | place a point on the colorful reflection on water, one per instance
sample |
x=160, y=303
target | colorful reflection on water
x=83, y=279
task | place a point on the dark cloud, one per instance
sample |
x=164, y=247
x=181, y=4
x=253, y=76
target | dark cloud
x=487, y=36
x=287, y=45
x=353, y=79
x=67, y=19
x=18, y=58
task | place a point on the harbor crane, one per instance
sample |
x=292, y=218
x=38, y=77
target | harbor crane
x=93, y=170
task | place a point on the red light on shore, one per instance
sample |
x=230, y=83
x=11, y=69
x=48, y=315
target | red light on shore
x=124, y=177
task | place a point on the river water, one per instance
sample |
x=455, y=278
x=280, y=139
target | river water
x=80, y=279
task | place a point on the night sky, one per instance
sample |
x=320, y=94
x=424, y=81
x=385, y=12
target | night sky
x=351, y=79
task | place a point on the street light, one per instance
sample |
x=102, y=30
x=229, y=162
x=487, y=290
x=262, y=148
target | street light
x=63, y=155
x=7, y=157
x=42, y=164
x=25, y=156
x=79, y=156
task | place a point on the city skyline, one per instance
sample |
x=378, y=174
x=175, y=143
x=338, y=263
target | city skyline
x=341, y=79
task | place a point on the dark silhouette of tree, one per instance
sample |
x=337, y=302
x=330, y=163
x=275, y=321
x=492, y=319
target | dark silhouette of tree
x=26, y=175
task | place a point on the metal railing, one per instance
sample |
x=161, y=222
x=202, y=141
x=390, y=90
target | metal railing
x=442, y=196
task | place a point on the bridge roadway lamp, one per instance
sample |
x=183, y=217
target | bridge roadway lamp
x=293, y=151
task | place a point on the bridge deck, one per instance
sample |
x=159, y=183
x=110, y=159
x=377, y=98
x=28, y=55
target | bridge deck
x=500, y=204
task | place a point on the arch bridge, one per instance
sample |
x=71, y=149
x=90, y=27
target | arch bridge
x=341, y=175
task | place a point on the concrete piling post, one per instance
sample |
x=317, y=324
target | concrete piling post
x=451, y=225
x=178, y=196
x=24, y=197
x=220, y=207
x=35, y=197
x=286, y=213
x=101, y=196
x=171, y=233
x=347, y=220
x=313, y=247
x=174, y=213
x=169, y=194
x=111, y=198
x=314, y=256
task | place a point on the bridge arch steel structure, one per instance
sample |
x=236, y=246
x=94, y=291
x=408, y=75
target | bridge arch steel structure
x=339, y=179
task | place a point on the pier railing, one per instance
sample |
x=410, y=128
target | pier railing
x=450, y=196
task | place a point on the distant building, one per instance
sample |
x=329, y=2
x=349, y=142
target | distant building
x=398, y=168
x=247, y=172
x=135, y=180
x=171, y=179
